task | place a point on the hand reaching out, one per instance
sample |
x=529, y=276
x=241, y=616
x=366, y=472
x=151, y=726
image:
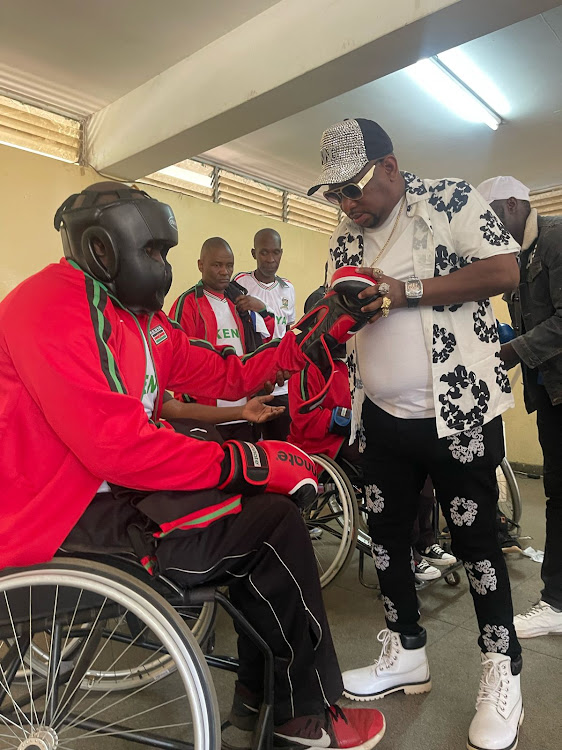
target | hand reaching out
x=257, y=411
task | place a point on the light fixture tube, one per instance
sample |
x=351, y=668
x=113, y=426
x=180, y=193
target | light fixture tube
x=437, y=79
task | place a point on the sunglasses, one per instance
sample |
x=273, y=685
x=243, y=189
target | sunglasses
x=351, y=190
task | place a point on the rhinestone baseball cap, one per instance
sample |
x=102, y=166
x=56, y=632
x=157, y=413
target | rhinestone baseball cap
x=347, y=147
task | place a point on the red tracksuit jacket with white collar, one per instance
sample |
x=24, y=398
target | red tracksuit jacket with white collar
x=193, y=311
x=72, y=371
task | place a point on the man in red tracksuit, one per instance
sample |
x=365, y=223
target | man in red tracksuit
x=209, y=311
x=85, y=355
x=194, y=311
x=325, y=429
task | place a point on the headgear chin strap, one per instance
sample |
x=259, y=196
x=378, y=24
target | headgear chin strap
x=126, y=222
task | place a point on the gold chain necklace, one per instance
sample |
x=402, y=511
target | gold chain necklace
x=373, y=264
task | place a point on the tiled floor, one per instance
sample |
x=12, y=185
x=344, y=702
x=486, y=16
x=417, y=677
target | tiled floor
x=439, y=720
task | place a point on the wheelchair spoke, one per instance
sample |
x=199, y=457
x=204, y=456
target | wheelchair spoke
x=84, y=646
x=6, y=679
x=8, y=740
x=335, y=516
x=93, y=630
x=320, y=503
x=76, y=719
x=102, y=730
x=76, y=688
x=105, y=671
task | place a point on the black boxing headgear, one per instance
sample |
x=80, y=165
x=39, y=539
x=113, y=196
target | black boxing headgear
x=127, y=222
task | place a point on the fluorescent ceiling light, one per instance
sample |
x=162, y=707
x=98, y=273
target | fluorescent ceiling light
x=462, y=66
x=188, y=176
x=433, y=76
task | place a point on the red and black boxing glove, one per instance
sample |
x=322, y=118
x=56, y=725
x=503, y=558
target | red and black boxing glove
x=332, y=321
x=338, y=314
x=269, y=466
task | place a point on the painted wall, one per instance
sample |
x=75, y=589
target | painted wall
x=522, y=440
x=32, y=187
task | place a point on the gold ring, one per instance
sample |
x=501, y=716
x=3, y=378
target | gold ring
x=385, y=307
x=379, y=271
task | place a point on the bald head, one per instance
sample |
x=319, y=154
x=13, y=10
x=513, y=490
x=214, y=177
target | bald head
x=216, y=264
x=213, y=244
x=265, y=235
x=267, y=252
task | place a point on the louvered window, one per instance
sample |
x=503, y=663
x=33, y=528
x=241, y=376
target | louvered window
x=188, y=176
x=36, y=130
x=548, y=202
x=248, y=195
x=311, y=214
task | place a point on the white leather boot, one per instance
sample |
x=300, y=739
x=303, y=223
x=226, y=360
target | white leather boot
x=499, y=707
x=402, y=665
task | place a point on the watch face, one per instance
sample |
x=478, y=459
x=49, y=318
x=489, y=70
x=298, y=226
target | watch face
x=414, y=288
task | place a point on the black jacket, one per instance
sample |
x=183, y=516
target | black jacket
x=536, y=313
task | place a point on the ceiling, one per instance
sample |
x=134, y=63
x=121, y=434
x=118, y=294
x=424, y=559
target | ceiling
x=51, y=57
x=525, y=62
x=78, y=62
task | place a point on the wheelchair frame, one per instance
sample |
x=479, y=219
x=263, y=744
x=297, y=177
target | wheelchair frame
x=144, y=603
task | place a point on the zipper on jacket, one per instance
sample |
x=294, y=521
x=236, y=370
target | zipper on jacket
x=149, y=340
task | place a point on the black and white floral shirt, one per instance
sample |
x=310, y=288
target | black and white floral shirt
x=454, y=226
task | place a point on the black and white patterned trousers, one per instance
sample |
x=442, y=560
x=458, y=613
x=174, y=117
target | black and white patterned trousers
x=399, y=455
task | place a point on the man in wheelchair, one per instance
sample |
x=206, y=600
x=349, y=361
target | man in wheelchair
x=85, y=357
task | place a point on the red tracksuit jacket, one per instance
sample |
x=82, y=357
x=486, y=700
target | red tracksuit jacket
x=72, y=370
x=193, y=311
x=311, y=431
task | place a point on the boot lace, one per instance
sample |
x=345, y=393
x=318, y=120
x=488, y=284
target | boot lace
x=388, y=652
x=493, y=684
x=537, y=609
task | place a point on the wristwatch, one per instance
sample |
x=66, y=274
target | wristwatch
x=413, y=290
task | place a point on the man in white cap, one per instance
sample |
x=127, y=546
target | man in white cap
x=536, y=312
x=428, y=391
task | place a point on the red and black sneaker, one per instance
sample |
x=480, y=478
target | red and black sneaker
x=350, y=728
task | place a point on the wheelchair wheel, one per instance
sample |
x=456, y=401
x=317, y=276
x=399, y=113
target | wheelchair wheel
x=332, y=520
x=509, y=500
x=363, y=536
x=200, y=620
x=114, y=622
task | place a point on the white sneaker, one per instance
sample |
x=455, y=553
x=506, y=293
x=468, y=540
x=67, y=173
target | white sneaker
x=397, y=668
x=499, y=707
x=315, y=532
x=423, y=571
x=436, y=555
x=542, y=619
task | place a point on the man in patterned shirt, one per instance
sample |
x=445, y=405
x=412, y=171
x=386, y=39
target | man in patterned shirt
x=428, y=390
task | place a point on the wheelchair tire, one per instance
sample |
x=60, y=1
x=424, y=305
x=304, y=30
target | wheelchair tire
x=199, y=619
x=509, y=500
x=335, y=513
x=78, y=599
